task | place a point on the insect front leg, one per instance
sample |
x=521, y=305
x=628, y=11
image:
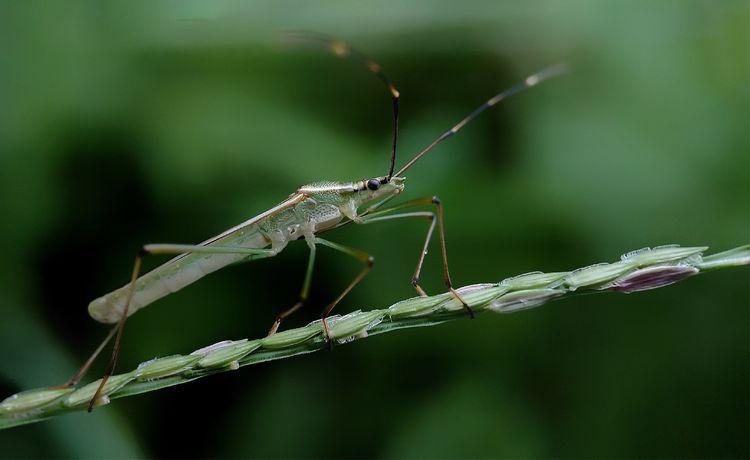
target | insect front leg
x=153, y=249
x=436, y=219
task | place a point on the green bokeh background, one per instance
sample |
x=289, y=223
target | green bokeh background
x=124, y=123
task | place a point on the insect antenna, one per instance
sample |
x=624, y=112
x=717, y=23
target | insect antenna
x=528, y=82
x=342, y=49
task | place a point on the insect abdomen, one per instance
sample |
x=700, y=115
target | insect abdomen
x=171, y=277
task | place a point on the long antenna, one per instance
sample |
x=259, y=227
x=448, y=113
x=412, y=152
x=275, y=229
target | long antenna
x=343, y=50
x=528, y=82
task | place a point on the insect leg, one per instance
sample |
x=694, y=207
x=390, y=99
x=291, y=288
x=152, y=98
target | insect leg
x=302, y=295
x=435, y=219
x=151, y=249
x=358, y=254
x=429, y=215
x=73, y=381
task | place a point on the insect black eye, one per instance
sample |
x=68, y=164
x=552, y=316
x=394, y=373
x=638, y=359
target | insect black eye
x=373, y=184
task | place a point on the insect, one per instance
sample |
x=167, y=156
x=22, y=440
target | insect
x=305, y=214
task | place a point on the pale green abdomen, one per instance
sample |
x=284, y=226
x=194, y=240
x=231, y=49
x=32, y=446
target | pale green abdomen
x=173, y=276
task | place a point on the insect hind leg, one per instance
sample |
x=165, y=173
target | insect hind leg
x=154, y=249
x=73, y=381
x=120, y=328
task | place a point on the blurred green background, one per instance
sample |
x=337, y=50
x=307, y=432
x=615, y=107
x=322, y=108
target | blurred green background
x=126, y=122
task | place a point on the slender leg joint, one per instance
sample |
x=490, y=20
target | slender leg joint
x=417, y=287
x=283, y=315
x=468, y=309
x=366, y=258
x=304, y=292
x=436, y=220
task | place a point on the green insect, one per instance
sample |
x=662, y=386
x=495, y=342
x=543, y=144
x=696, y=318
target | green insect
x=311, y=210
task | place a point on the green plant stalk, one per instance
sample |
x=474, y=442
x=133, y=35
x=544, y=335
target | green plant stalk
x=636, y=271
